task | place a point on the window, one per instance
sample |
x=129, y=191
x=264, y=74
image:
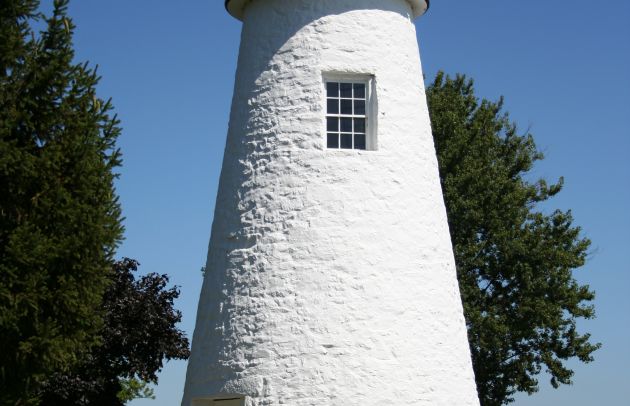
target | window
x=348, y=114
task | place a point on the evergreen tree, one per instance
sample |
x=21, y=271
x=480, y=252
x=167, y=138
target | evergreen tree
x=514, y=262
x=59, y=214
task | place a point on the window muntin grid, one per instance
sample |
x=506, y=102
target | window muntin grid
x=346, y=118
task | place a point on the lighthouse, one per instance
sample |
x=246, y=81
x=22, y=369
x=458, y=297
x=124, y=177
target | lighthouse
x=330, y=277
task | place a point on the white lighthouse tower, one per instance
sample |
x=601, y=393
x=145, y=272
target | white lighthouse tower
x=330, y=278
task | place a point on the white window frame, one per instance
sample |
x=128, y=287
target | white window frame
x=368, y=80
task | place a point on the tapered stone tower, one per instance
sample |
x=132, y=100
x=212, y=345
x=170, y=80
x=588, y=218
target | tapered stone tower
x=330, y=277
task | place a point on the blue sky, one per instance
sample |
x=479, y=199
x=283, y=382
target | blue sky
x=563, y=67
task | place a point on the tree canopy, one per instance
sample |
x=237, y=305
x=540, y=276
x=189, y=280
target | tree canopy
x=76, y=327
x=139, y=332
x=59, y=213
x=514, y=262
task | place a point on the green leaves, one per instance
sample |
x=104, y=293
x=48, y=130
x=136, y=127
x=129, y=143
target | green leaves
x=514, y=263
x=59, y=214
x=75, y=326
x=134, y=388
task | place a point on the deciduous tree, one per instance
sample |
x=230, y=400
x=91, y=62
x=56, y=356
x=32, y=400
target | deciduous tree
x=138, y=334
x=515, y=262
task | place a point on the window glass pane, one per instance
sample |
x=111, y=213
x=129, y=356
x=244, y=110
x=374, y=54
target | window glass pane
x=359, y=91
x=346, y=124
x=346, y=106
x=346, y=141
x=332, y=140
x=332, y=124
x=333, y=106
x=349, y=100
x=359, y=107
x=359, y=141
x=332, y=89
x=346, y=89
x=359, y=125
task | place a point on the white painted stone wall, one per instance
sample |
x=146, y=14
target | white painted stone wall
x=330, y=275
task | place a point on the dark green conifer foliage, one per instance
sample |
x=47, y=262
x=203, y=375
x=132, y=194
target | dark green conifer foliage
x=59, y=214
x=514, y=263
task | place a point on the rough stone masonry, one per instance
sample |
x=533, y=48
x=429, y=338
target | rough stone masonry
x=330, y=277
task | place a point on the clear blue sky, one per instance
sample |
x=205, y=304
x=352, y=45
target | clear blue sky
x=563, y=67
